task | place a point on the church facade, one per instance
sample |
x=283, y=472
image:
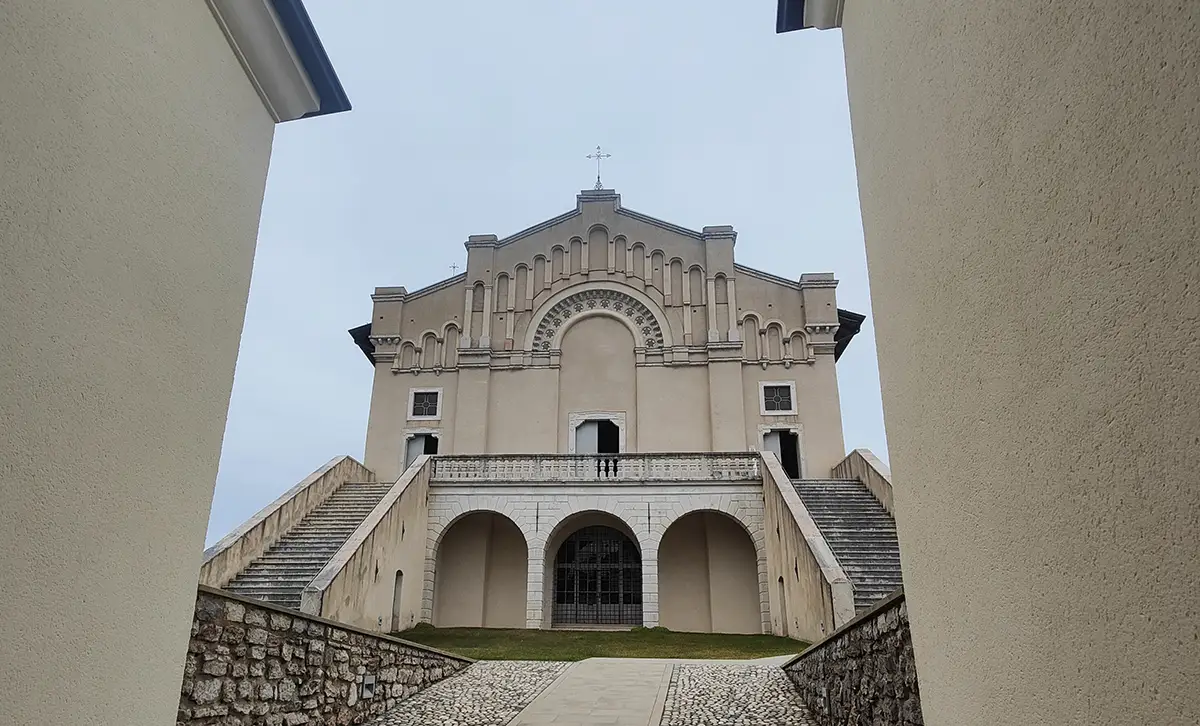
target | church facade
x=604, y=330
x=610, y=333
x=605, y=421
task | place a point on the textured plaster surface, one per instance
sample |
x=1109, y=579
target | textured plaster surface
x=133, y=155
x=1029, y=183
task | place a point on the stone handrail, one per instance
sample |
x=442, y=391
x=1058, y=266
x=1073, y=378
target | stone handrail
x=230, y=555
x=817, y=567
x=349, y=590
x=861, y=464
x=596, y=467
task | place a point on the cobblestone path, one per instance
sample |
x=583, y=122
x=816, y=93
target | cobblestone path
x=489, y=693
x=703, y=694
x=607, y=691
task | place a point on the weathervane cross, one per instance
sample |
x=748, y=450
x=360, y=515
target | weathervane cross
x=598, y=156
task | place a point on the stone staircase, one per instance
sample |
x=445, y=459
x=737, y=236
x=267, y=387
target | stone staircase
x=280, y=575
x=860, y=532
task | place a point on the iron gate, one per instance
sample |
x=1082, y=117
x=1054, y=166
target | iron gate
x=597, y=579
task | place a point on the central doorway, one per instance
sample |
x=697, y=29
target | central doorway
x=597, y=579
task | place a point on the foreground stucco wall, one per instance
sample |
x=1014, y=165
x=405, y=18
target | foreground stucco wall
x=250, y=663
x=133, y=155
x=1029, y=184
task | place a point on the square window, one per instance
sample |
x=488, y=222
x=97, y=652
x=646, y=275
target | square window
x=777, y=399
x=425, y=404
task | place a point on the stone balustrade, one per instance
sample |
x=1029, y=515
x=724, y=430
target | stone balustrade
x=559, y=468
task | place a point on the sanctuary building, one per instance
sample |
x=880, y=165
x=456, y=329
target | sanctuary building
x=604, y=421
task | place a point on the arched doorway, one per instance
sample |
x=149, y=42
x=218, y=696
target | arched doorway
x=596, y=575
x=480, y=574
x=708, y=576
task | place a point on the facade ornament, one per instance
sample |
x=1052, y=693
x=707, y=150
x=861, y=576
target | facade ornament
x=612, y=301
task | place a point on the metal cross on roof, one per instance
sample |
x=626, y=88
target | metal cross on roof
x=453, y=269
x=598, y=156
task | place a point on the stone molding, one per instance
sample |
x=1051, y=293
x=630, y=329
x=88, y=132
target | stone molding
x=527, y=469
x=637, y=311
x=575, y=418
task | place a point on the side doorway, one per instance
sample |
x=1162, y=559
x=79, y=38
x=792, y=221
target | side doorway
x=417, y=445
x=785, y=444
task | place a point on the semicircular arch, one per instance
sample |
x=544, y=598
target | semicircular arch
x=644, y=317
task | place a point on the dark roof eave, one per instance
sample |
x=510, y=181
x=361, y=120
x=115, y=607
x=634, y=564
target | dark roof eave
x=362, y=338
x=849, y=325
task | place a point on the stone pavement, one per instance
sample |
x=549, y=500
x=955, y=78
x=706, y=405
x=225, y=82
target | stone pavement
x=608, y=692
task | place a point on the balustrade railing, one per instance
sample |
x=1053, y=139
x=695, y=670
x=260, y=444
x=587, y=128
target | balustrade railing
x=595, y=467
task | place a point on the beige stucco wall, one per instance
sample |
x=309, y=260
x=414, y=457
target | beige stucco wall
x=599, y=373
x=708, y=576
x=724, y=329
x=358, y=586
x=480, y=575
x=1029, y=183
x=810, y=595
x=134, y=154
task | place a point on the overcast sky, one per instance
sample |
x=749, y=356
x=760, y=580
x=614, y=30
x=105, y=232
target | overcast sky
x=475, y=118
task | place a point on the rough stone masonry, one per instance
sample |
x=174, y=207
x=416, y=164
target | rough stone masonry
x=253, y=664
x=863, y=674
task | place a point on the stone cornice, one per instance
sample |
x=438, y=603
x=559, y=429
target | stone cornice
x=448, y=282
x=661, y=224
x=765, y=276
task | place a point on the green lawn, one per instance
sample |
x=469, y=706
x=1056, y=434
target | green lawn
x=496, y=644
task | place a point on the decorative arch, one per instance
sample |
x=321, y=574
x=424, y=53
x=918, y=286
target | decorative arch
x=798, y=346
x=451, y=332
x=753, y=615
x=487, y=540
x=620, y=592
x=632, y=307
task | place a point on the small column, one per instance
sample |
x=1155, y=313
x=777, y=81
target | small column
x=731, y=297
x=535, y=597
x=650, y=587
x=464, y=340
x=485, y=330
x=713, y=334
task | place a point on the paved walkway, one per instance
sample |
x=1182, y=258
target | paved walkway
x=608, y=692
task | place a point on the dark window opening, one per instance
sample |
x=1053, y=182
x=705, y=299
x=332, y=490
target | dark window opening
x=789, y=453
x=425, y=403
x=431, y=444
x=777, y=399
x=608, y=438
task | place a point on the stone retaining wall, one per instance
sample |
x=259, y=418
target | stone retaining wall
x=252, y=664
x=863, y=674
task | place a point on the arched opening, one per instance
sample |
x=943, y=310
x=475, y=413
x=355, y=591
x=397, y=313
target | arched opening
x=480, y=573
x=708, y=576
x=595, y=569
x=397, y=614
x=598, y=372
x=783, y=615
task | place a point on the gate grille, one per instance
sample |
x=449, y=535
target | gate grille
x=597, y=579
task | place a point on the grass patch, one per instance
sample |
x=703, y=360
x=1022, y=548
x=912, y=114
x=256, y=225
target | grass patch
x=499, y=644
